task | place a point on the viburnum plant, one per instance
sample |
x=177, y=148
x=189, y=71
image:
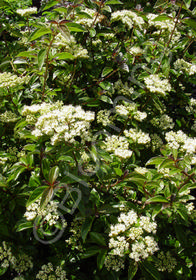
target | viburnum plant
x=98, y=140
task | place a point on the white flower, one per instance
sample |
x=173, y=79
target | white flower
x=9, y=80
x=138, y=137
x=61, y=123
x=118, y=145
x=128, y=17
x=155, y=84
x=184, y=66
x=27, y=12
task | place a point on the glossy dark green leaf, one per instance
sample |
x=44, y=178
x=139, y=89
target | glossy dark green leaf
x=158, y=199
x=113, y=2
x=50, y=4
x=86, y=227
x=150, y=270
x=41, y=58
x=46, y=197
x=64, y=56
x=25, y=225
x=75, y=27
x=97, y=238
x=36, y=194
x=94, y=250
x=39, y=33
x=162, y=18
x=53, y=174
x=132, y=270
x=101, y=258
x=106, y=71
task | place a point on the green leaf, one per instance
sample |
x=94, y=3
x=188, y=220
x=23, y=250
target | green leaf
x=162, y=18
x=41, y=57
x=75, y=27
x=3, y=269
x=160, y=3
x=39, y=33
x=113, y=2
x=86, y=227
x=149, y=270
x=65, y=32
x=53, y=174
x=97, y=238
x=45, y=167
x=16, y=173
x=191, y=23
x=29, y=54
x=158, y=199
x=94, y=250
x=36, y=194
x=118, y=171
x=155, y=160
x=24, y=226
x=64, y=55
x=106, y=71
x=106, y=99
x=101, y=258
x=50, y=4
x=188, y=3
x=132, y=270
x=46, y=197
x=167, y=163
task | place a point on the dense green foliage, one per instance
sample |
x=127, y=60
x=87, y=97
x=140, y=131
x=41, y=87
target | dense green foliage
x=98, y=140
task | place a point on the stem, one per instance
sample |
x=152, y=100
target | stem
x=47, y=63
x=188, y=46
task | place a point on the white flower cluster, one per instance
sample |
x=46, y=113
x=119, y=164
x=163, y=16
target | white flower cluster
x=136, y=51
x=128, y=17
x=20, y=263
x=113, y=262
x=179, y=140
x=8, y=117
x=49, y=213
x=192, y=106
x=103, y=116
x=164, y=122
x=3, y=160
x=141, y=170
x=94, y=18
x=130, y=109
x=6, y=256
x=184, y=66
x=130, y=236
x=24, y=263
x=190, y=207
x=165, y=172
x=59, y=122
x=165, y=262
x=155, y=84
x=21, y=277
x=9, y=80
x=48, y=272
x=70, y=46
x=118, y=145
x=163, y=25
x=75, y=238
x=26, y=12
x=138, y=137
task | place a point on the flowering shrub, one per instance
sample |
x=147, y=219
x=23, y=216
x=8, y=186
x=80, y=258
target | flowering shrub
x=98, y=143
